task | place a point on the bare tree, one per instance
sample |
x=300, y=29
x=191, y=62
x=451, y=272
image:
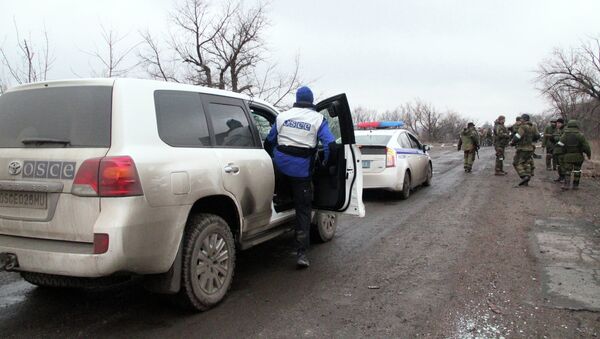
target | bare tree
x=274, y=86
x=31, y=62
x=428, y=119
x=219, y=47
x=112, y=59
x=450, y=126
x=3, y=84
x=362, y=114
x=576, y=70
x=570, y=79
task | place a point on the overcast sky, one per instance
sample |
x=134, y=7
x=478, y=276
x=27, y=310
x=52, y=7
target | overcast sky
x=475, y=57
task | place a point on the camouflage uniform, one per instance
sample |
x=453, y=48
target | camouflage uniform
x=524, y=138
x=575, y=145
x=501, y=139
x=469, y=141
x=549, y=145
x=558, y=151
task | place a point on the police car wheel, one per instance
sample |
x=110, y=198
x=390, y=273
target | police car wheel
x=405, y=193
x=429, y=176
x=208, y=262
x=324, y=226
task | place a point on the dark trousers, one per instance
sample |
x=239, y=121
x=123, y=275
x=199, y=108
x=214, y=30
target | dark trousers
x=302, y=196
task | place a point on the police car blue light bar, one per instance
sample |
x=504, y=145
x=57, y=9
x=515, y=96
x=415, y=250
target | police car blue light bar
x=380, y=124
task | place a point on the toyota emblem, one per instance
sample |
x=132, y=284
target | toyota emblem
x=14, y=167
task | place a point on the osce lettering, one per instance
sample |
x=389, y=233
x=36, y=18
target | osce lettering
x=297, y=124
x=48, y=169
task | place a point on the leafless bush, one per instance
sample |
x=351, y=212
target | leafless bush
x=31, y=60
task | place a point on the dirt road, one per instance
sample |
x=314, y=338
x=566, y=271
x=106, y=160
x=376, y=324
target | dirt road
x=471, y=256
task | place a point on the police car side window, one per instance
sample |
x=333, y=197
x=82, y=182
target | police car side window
x=180, y=118
x=230, y=126
x=404, y=141
x=414, y=142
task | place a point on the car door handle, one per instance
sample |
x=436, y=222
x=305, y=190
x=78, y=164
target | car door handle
x=231, y=169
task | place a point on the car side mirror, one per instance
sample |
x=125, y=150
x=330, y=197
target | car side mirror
x=426, y=148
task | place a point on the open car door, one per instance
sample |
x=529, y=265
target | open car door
x=338, y=185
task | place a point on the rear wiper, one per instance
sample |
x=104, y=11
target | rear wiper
x=40, y=141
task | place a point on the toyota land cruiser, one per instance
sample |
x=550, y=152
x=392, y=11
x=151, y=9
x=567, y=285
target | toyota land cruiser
x=122, y=177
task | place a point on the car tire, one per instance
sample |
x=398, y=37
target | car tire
x=324, y=226
x=405, y=193
x=208, y=262
x=429, y=176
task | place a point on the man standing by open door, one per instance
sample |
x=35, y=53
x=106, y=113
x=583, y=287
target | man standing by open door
x=295, y=137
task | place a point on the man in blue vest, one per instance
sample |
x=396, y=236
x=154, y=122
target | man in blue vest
x=295, y=136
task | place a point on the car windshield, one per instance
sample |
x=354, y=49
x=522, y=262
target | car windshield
x=372, y=139
x=74, y=116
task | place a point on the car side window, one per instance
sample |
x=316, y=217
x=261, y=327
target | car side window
x=230, y=126
x=262, y=124
x=181, y=119
x=334, y=126
x=404, y=141
x=414, y=142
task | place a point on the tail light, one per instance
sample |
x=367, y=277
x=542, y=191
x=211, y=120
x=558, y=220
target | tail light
x=107, y=177
x=390, y=159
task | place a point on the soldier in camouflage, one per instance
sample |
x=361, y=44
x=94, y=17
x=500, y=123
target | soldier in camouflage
x=469, y=142
x=558, y=151
x=523, y=139
x=501, y=140
x=548, y=143
x=513, y=129
x=575, y=145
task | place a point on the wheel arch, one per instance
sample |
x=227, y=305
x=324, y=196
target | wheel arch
x=223, y=206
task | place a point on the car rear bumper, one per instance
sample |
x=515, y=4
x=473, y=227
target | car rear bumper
x=142, y=240
x=387, y=179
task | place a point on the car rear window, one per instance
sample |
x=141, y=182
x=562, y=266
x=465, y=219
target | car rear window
x=372, y=139
x=73, y=116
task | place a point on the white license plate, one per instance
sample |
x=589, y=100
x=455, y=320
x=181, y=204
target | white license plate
x=366, y=164
x=34, y=200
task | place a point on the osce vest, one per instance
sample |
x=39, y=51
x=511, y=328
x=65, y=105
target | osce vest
x=298, y=127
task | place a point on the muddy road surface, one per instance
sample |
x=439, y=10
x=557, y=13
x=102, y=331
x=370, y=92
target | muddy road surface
x=470, y=256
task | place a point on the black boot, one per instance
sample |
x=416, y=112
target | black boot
x=525, y=180
x=302, y=260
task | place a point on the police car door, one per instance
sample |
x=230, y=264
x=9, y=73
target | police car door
x=338, y=185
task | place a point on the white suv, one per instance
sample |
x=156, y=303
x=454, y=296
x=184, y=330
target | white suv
x=110, y=178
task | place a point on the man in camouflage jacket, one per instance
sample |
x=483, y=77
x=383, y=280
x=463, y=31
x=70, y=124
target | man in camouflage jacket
x=524, y=137
x=501, y=140
x=469, y=142
x=575, y=146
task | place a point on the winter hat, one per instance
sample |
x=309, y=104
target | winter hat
x=304, y=96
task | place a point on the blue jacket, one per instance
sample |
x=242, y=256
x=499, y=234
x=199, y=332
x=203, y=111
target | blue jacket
x=299, y=167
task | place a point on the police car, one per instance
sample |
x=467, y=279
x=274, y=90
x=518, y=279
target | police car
x=393, y=158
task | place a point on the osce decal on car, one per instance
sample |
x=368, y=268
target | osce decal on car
x=48, y=169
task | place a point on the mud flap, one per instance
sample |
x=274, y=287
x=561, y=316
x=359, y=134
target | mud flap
x=168, y=282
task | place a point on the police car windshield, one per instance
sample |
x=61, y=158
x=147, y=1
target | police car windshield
x=71, y=116
x=373, y=140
